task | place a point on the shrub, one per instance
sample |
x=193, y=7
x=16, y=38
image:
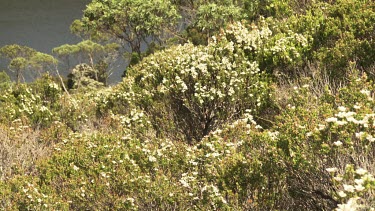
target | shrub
x=5, y=81
x=198, y=88
x=338, y=34
x=83, y=77
x=323, y=135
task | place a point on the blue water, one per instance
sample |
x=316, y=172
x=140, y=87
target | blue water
x=41, y=24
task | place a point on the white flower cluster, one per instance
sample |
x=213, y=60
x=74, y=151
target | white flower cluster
x=350, y=205
x=212, y=79
x=344, y=117
x=28, y=102
x=357, y=182
x=135, y=118
x=214, y=82
x=248, y=39
x=186, y=180
x=130, y=201
x=286, y=46
x=54, y=86
x=213, y=193
x=35, y=196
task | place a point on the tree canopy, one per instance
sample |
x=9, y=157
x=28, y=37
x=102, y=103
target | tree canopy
x=23, y=58
x=99, y=57
x=133, y=22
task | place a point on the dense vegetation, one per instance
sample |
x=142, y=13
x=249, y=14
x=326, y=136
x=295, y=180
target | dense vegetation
x=235, y=105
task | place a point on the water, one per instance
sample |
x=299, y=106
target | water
x=40, y=24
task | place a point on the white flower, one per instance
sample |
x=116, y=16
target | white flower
x=342, y=194
x=341, y=108
x=349, y=188
x=368, y=177
x=152, y=158
x=215, y=154
x=357, y=106
x=321, y=127
x=331, y=170
x=338, y=178
x=359, y=181
x=365, y=92
x=184, y=183
x=350, y=205
x=359, y=135
x=352, y=119
x=340, y=114
x=341, y=122
x=103, y=174
x=75, y=168
x=361, y=171
x=193, y=163
x=337, y=143
x=305, y=86
x=359, y=187
x=331, y=119
x=370, y=138
x=349, y=114
x=130, y=199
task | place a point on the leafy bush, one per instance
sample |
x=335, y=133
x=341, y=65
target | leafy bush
x=186, y=127
x=338, y=34
x=93, y=171
x=22, y=101
x=332, y=131
x=83, y=78
x=5, y=81
x=199, y=88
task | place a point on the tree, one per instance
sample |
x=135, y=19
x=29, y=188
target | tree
x=82, y=77
x=16, y=55
x=23, y=58
x=98, y=57
x=133, y=22
x=203, y=18
x=211, y=17
x=39, y=62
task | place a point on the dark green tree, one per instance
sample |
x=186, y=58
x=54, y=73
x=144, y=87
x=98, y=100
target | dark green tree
x=133, y=22
x=99, y=57
x=22, y=58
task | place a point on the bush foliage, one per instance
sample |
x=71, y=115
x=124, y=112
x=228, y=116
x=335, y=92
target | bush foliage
x=272, y=114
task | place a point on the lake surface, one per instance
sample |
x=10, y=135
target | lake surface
x=41, y=24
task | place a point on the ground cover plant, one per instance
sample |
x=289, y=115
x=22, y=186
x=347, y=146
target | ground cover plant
x=273, y=110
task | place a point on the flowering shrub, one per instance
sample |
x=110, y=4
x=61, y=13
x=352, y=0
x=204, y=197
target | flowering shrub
x=325, y=135
x=355, y=187
x=92, y=170
x=35, y=103
x=203, y=87
x=186, y=128
x=338, y=34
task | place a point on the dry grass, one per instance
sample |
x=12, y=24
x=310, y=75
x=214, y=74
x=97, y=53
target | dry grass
x=20, y=147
